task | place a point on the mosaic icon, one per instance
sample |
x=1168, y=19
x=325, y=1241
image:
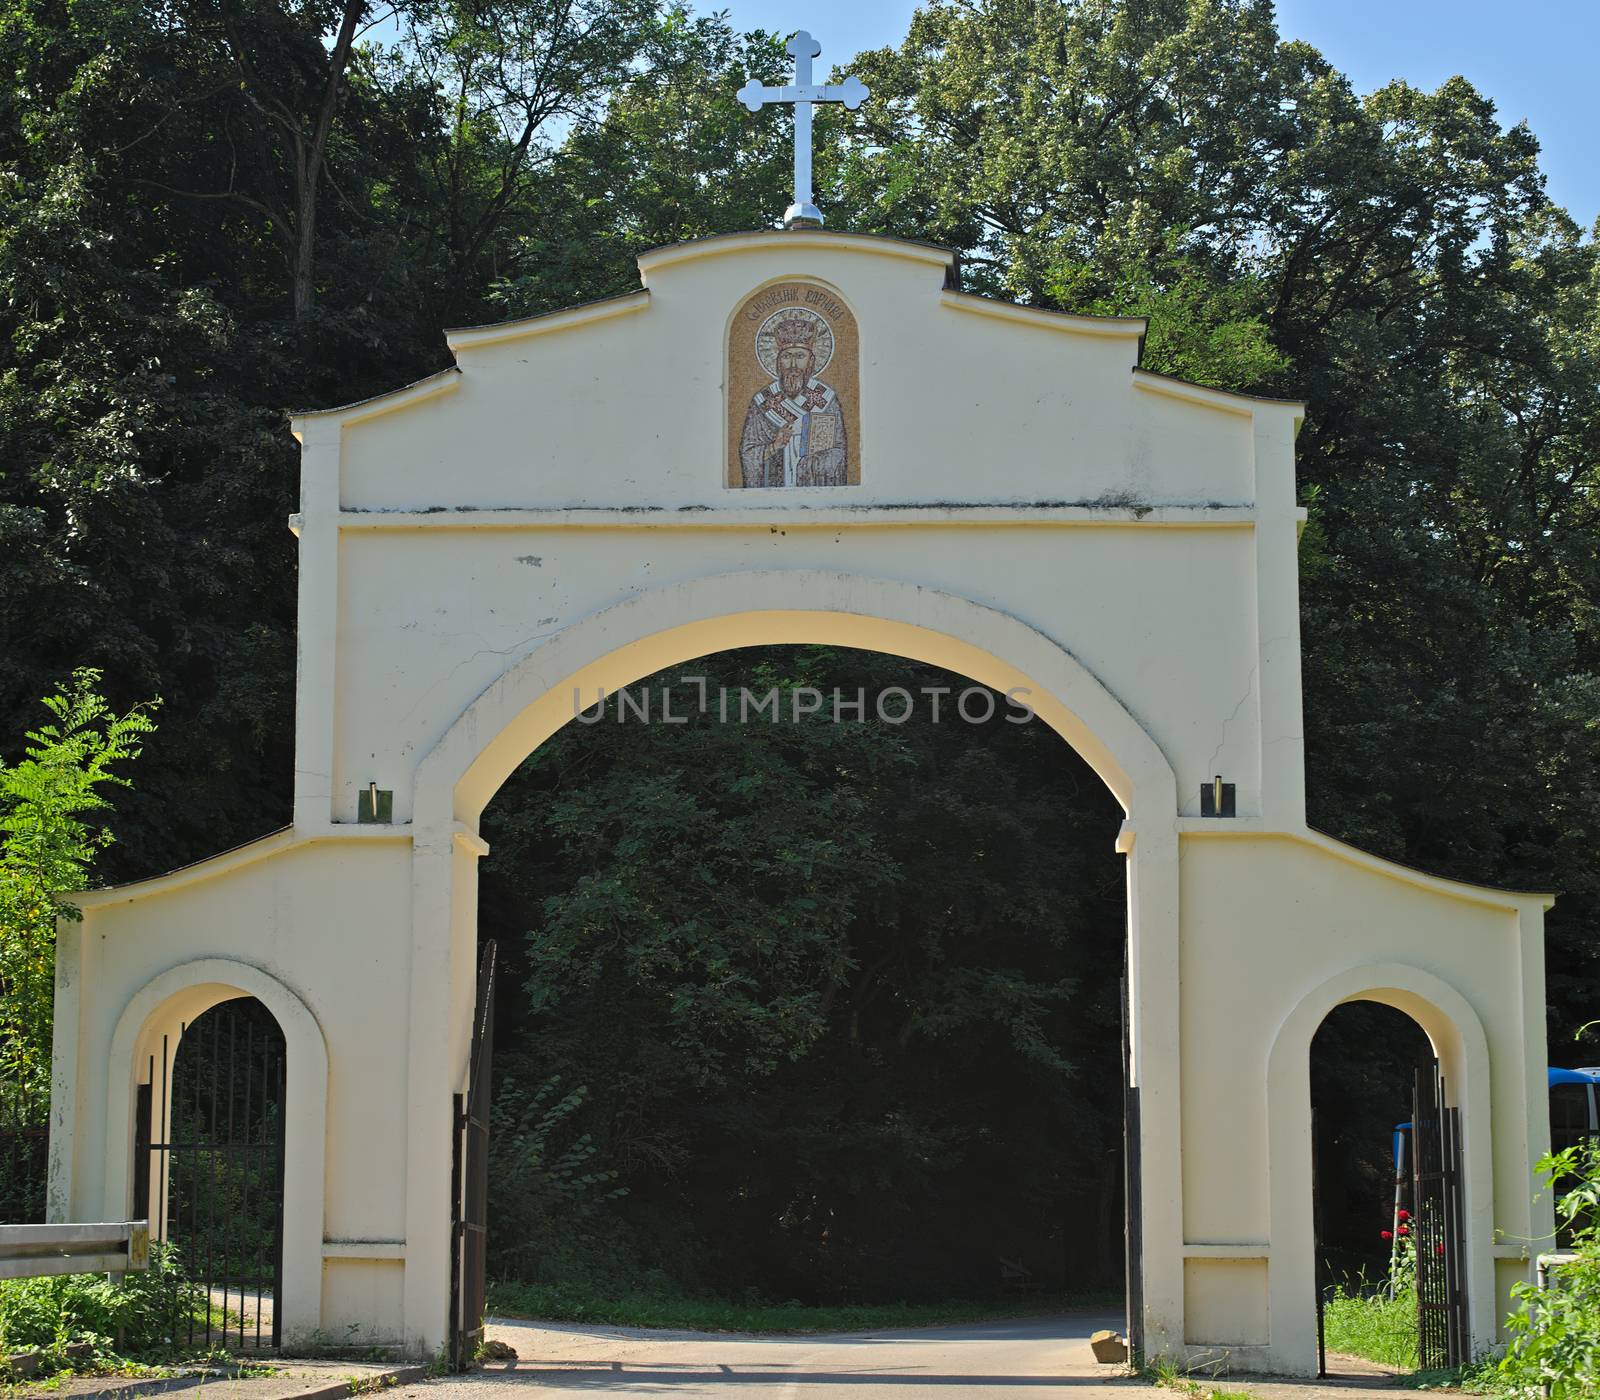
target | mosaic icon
x=794, y=427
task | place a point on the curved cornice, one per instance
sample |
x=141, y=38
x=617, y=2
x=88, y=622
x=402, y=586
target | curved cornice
x=792, y=240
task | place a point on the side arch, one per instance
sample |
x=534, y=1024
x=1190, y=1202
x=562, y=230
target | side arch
x=1458, y=1039
x=180, y=994
x=678, y=622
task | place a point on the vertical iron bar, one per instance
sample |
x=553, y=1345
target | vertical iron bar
x=249, y=1088
x=164, y=1185
x=258, y=1263
x=1455, y=1241
x=166, y=1138
x=191, y=1159
x=1318, y=1282
x=458, y=1118
x=142, y=1148
x=1419, y=1134
x=278, y=1217
x=205, y=1167
x=1132, y=1168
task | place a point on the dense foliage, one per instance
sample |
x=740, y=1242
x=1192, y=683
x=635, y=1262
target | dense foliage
x=1555, y=1332
x=47, y=844
x=212, y=212
x=140, y=1314
x=845, y=993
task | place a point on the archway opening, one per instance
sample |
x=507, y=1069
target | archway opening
x=209, y=1162
x=808, y=1000
x=1367, y=1059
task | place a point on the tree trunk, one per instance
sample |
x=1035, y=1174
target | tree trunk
x=304, y=281
x=305, y=288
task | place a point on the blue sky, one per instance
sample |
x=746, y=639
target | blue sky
x=1537, y=59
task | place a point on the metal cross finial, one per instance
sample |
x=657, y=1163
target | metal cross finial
x=802, y=92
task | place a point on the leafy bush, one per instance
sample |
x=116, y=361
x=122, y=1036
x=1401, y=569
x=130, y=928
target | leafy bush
x=136, y=1314
x=47, y=847
x=1555, y=1343
x=545, y=1189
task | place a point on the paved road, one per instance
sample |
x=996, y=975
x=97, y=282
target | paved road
x=981, y=1359
x=1032, y=1358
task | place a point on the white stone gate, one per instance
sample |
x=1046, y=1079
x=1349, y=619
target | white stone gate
x=1017, y=501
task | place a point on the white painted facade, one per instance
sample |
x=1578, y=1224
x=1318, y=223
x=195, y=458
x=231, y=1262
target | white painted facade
x=1034, y=511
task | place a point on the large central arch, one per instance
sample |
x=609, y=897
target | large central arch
x=673, y=625
x=678, y=622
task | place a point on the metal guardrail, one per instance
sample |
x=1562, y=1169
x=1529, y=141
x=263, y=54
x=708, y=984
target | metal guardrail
x=1553, y=1260
x=31, y=1251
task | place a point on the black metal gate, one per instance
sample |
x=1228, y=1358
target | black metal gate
x=1319, y=1268
x=469, y=1179
x=1436, y=1226
x=1132, y=1195
x=209, y=1140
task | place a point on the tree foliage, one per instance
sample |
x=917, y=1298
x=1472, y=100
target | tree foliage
x=1555, y=1332
x=47, y=844
x=829, y=983
x=1392, y=260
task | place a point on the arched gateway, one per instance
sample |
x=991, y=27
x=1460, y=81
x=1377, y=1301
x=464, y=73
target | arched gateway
x=803, y=436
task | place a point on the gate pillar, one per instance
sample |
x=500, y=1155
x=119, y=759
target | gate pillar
x=1152, y=851
x=444, y=933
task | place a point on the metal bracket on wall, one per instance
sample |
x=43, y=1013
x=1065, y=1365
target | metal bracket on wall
x=375, y=804
x=1216, y=798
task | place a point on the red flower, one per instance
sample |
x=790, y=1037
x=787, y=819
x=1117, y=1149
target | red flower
x=1405, y=1229
x=1387, y=1235
x=1403, y=1214
x=1439, y=1250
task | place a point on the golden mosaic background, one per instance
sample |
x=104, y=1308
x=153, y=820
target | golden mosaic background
x=745, y=374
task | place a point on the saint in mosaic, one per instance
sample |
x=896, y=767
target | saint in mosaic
x=797, y=418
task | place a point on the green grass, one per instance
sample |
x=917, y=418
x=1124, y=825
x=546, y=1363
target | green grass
x=558, y=1303
x=1379, y=1328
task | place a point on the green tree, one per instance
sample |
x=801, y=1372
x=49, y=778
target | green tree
x=47, y=845
x=674, y=157
x=512, y=81
x=844, y=995
x=1393, y=261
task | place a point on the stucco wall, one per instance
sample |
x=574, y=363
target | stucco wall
x=1276, y=931
x=958, y=404
x=329, y=924
x=429, y=618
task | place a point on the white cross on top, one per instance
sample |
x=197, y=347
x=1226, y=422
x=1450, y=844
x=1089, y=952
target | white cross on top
x=802, y=92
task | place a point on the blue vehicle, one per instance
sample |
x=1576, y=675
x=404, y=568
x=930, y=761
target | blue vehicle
x=1574, y=1116
x=1574, y=1105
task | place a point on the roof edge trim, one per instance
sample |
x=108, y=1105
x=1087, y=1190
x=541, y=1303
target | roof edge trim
x=762, y=240
x=1490, y=896
x=585, y=313
x=274, y=843
x=1494, y=895
x=444, y=382
x=1228, y=400
x=1127, y=327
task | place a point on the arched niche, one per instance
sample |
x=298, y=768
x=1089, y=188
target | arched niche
x=150, y=1027
x=1462, y=1049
